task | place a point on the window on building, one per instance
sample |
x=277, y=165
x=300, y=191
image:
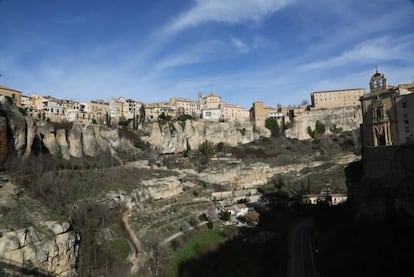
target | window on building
x=404, y=105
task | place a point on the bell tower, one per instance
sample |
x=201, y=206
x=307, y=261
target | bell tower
x=378, y=82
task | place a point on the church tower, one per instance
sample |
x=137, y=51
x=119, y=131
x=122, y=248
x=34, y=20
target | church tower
x=378, y=82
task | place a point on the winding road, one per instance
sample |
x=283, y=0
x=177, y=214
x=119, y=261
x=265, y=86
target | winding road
x=302, y=263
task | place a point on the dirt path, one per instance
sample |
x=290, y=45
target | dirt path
x=137, y=258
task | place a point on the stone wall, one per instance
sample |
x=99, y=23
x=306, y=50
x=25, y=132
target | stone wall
x=382, y=184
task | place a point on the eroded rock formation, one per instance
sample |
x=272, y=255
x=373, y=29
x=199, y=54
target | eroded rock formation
x=78, y=140
x=347, y=119
x=177, y=137
x=50, y=248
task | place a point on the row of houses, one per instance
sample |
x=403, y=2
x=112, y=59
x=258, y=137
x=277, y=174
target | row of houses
x=210, y=107
x=387, y=118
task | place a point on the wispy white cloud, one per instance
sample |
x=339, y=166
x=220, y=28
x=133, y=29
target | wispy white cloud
x=226, y=11
x=240, y=45
x=200, y=52
x=378, y=49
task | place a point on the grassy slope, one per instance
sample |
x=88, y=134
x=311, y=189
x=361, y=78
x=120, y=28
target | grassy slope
x=196, y=246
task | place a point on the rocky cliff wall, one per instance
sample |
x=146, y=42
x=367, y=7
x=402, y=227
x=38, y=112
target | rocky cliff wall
x=177, y=137
x=48, y=249
x=346, y=118
x=3, y=141
x=78, y=140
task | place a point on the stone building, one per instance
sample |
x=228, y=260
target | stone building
x=234, y=113
x=212, y=114
x=154, y=110
x=259, y=113
x=13, y=94
x=186, y=106
x=405, y=115
x=336, y=98
x=99, y=108
x=123, y=108
x=379, y=110
x=211, y=101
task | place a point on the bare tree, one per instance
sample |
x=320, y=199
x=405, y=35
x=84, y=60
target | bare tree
x=157, y=253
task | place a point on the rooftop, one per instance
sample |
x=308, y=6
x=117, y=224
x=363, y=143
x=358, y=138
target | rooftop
x=6, y=88
x=338, y=90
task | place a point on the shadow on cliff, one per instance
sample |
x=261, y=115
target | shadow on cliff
x=8, y=268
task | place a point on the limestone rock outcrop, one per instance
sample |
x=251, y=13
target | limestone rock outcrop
x=3, y=141
x=176, y=137
x=15, y=122
x=347, y=119
x=50, y=248
x=77, y=140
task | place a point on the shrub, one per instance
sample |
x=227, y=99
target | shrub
x=184, y=117
x=164, y=117
x=124, y=122
x=62, y=125
x=252, y=217
x=311, y=133
x=225, y=216
x=320, y=127
x=273, y=126
x=23, y=111
x=210, y=225
x=334, y=129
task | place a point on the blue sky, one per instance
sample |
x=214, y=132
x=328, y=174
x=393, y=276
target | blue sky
x=276, y=51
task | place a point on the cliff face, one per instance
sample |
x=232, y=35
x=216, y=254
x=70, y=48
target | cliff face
x=382, y=184
x=79, y=141
x=346, y=118
x=177, y=137
x=3, y=140
x=49, y=249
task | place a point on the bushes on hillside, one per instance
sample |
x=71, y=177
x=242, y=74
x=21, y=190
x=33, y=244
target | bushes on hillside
x=318, y=131
x=273, y=126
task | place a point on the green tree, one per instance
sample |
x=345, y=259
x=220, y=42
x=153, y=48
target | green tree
x=273, y=126
x=142, y=113
x=319, y=127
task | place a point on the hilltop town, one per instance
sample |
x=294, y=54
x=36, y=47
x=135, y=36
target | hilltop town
x=213, y=108
x=118, y=185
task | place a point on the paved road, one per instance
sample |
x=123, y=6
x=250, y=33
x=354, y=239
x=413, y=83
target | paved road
x=302, y=263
